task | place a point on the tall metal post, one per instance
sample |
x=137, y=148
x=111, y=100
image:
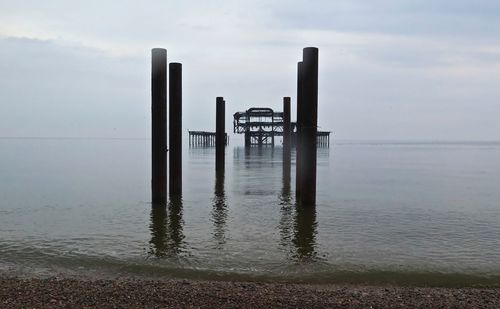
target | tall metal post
x=220, y=134
x=287, y=133
x=159, y=125
x=175, y=126
x=309, y=126
x=298, y=135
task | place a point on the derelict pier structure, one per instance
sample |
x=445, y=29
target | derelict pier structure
x=261, y=125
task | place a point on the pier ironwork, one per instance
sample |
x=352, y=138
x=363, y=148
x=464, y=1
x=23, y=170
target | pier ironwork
x=261, y=125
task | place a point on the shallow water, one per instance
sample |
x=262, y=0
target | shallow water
x=386, y=211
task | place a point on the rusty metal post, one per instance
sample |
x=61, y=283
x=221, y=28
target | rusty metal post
x=309, y=126
x=175, y=128
x=219, y=134
x=159, y=125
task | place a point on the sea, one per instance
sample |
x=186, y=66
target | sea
x=403, y=212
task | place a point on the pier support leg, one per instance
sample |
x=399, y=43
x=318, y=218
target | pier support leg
x=247, y=139
x=175, y=138
x=298, y=134
x=272, y=132
x=309, y=126
x=159, y=125
x=287, y=135
x=220, y=134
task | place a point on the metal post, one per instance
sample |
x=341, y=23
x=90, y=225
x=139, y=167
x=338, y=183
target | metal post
x=247, y=130
x=219, y=134
x=309, y=126
x=159, y=125
x=298, y=134
x=287, y=128
x=272, y=129
x=175, y=139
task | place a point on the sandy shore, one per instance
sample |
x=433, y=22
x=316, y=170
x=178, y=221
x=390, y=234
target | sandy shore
x=127, y=293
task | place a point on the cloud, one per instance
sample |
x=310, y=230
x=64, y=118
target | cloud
x=388, y=69
x=459, y=18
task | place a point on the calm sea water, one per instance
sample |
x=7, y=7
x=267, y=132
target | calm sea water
x=386, y=211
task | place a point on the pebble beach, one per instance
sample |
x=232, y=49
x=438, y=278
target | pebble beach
x=54, y=292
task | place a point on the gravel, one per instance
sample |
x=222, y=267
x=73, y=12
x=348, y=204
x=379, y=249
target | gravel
x=141, y=293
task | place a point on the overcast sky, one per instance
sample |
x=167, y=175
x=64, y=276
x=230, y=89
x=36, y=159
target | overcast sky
x=389, y=69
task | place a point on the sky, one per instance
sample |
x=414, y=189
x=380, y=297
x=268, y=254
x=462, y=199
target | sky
x=388, y=69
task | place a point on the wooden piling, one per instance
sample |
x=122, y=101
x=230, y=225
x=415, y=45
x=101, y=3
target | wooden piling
x=159, y=125
x=175, y=129
x=309, y=126
x=220, y=134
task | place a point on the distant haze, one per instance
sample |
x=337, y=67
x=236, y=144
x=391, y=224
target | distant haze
x=392, y=69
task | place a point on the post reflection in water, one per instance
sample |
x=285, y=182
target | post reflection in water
x=167, y=237
x=219, y=211
x=304, y=234
x=285, y=196
x=286, y=211
x=298, y=225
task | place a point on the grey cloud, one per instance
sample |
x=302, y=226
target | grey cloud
x=376, y=80
x=460, y=18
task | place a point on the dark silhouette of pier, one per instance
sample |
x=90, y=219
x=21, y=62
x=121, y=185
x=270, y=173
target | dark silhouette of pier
x=204, y=139
x=259, y=124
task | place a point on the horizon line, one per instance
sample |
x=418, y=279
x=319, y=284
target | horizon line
x=387, y=140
